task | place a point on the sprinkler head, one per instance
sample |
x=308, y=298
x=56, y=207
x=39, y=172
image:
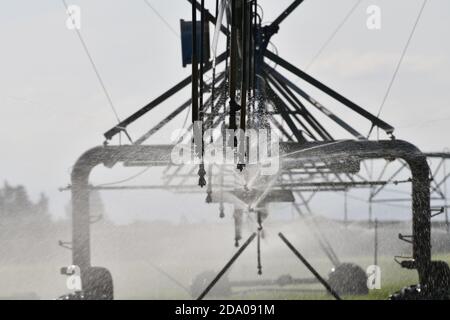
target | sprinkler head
x=202, y=182
x=209, y=197
x=202, y=174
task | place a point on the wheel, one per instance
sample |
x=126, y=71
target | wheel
x=409, y=293
x=437, y=287
x=439, y=280
x=97, y=284
x=348, y=279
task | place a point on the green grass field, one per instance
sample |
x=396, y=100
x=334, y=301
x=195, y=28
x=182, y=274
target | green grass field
x=129, y=252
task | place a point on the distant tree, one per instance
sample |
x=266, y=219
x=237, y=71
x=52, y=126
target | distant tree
x=21, y=204
x=2, y=202
x=42, y=205
x=15, y=203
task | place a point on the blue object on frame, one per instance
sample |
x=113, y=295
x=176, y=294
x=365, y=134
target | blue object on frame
x=186, y=42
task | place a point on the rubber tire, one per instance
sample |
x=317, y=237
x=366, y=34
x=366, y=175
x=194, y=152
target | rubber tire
x=97, y=284
x=348, y=279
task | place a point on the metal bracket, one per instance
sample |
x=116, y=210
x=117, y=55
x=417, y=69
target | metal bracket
x=406, y=238
x=406, y=263
x=438, y=211
x=65, y=244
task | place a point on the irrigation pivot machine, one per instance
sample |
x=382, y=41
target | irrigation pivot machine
x=250, y=88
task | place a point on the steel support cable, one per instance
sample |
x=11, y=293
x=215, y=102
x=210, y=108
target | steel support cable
x=329, y=91
x=315, y=103
x=284, y=110
x=172, y=116
x=349, y=184
x=391, y=178
x=292, y=100
x=126, y=179
x=281, y=128
x=94, y=67
x=307, y=115
x=157, y=101
x=163, y=20
x=326, y=44
x=135, y=175
x=170, y=277
x=333, y=35
x=399, y=64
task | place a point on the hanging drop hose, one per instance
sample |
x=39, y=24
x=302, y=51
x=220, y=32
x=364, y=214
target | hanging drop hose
x=233, y=65
x=245, y=69
x=237, y=226
x=399, y=64
x=200, y=149
x=194, y=66
x=202, y=59
x=259, y=253
x=260, y=229
x=209, y=189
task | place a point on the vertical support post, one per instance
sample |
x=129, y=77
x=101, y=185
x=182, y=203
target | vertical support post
x=80, y=227
x=421, y=217
x=81, y=252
